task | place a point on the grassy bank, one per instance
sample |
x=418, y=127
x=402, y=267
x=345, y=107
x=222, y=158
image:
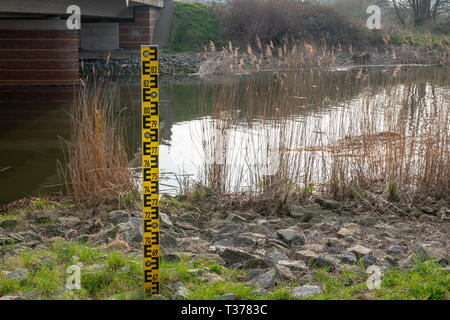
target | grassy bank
x=112, y=274
x=243, y=22
x=193, y=26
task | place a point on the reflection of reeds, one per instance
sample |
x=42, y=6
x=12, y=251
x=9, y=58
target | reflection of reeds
x=95, y=168
x=393, y=138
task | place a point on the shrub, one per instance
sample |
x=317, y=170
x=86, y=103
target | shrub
x=278, y=19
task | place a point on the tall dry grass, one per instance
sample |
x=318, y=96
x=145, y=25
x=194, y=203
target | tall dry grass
x=95, y=166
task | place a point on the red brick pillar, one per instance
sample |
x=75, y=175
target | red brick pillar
x=133, y=34
x=34, y=57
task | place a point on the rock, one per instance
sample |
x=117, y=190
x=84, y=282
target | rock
x=360, y=251
x=368, y=260
x=170, y=257
x=211, y=278
x=291, y=236
x=226, y=296
x=236, y=218
x=51, y=231
x=284, y=272
x=167, y=241
x=389, y=262
x=425, y=252
x=165, y=220
x=118, y=216
x=349, y=258
x=334, y=250
x=265, y=280
x=46, y=261
x=181, y=293
x=257, y=228
x=68, y=222
x=12, y=298
x=294, y=265
x=70, y=234
x=19, y=275
x=348, y=229
x=245, y=240
x=406, y=263
x=325, y=261
x=396, y=250
x=8, y=225
x=196, y=272
x=135, y=235
x=275, y=256
x=95, y=268
x=361, y=58
x=305, y=291
x=84, y=238
x=306, y=255
x=316, y=235
x=216, y=65
x=427, y=210
x=335, y=242
x=258, y=262
x=304, y=213
x=367, y=220
x=185, y=225
x=233, y=255
x=328, y=203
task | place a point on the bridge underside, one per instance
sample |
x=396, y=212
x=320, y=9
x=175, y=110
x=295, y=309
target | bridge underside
x=37, y=48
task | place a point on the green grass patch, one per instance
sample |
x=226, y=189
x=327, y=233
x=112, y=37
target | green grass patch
x=424, y=281
x=419, y=39
x=193, y=26
x=121, y=277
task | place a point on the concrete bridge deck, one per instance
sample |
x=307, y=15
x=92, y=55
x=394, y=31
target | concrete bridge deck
x=37, y=47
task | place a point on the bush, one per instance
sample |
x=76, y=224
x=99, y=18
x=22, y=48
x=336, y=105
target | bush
x=273, y=20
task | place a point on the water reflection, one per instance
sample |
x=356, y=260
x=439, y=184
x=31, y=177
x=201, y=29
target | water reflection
x=32, y=120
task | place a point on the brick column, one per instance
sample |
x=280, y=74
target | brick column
x=31, y=57
x=133, y=34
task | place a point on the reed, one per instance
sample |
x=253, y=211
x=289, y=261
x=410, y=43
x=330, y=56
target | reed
x=266, y=137
x=95, y=165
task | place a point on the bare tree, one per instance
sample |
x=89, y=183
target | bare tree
x=421, y=11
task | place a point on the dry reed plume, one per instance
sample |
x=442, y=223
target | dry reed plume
x=95, y=168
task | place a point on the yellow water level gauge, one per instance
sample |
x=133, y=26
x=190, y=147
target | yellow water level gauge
x=150, y=166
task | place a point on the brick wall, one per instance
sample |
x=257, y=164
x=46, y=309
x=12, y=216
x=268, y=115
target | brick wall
x=38, y=57
x=133, y=34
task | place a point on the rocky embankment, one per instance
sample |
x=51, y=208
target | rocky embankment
x=181, y=65
x=271, y=249
x=170, y=65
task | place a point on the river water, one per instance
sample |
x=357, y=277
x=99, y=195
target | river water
x=33, y=122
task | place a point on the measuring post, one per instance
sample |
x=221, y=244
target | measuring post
x=150, y=166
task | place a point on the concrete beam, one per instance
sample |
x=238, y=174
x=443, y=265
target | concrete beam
x=33, y=24
x=89, y=8
x=155, y=3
